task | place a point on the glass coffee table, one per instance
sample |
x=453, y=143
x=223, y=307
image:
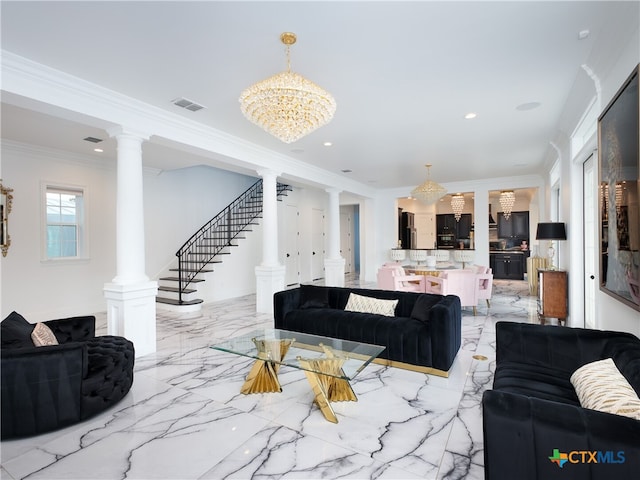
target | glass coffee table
x=328, y=363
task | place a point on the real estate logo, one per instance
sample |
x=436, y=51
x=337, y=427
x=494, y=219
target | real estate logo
x=586, y=456
x=559, y=458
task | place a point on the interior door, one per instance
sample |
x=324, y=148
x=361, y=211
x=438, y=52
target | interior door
x=346, y=241
x=292, y=249
x=590, y=236
x=317, y=244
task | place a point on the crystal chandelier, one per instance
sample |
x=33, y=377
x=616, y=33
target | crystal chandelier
x=507, y=200
x=429, y=192
x=287, y=105
x=457, y=204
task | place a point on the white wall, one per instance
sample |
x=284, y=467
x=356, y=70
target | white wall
x=176, y=204
x=179, y=202
x=610, y=69
x=44, y=290
x=611, y=313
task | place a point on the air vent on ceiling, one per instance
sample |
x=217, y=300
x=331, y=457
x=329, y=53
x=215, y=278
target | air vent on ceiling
x=188, y=104
x=93, y=139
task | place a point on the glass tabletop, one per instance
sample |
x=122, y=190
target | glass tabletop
x=283, y=347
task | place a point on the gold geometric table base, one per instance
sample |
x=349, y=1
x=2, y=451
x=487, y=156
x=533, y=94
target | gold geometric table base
x=263, y=376
x=322, y=373
x=327, y=388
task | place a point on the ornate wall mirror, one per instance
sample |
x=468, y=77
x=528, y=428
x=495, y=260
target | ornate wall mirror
x=6, y=198
x=619, y=162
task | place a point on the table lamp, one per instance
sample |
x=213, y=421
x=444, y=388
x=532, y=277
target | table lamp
x=551, y=231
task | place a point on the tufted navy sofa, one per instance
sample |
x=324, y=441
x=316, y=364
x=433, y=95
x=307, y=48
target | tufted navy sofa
x=533, y=408
x=424, y=335
x=50, y=387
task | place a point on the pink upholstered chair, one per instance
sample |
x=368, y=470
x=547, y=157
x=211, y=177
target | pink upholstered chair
x=484, y=276
x=392, y=276
x=455, y=282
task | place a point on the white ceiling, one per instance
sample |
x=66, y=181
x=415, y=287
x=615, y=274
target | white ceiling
x=404, y=74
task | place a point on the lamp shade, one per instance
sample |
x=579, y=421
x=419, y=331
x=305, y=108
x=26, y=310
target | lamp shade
x=551, y=231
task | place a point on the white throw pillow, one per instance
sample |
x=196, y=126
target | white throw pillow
x=43, y=336
x=360, y=303
x=600, y=386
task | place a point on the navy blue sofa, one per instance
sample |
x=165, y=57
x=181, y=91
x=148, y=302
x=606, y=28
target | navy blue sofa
x=50, y=387
x=424, y=335
x=533, y=414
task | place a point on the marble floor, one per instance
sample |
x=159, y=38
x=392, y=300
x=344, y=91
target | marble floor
x=184, y=417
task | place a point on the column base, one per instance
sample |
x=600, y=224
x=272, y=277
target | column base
x=131, y=313
x=269, y=280
x=334, y=272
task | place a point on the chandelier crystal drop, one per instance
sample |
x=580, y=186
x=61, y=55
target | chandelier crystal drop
x=429, y=192
x=287, y=105
x=457, y=205
x=507, y=201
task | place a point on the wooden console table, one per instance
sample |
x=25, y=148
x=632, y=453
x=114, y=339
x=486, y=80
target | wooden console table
x=552, y=295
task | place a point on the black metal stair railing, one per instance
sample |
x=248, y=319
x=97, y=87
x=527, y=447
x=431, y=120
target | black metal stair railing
x=219, y=233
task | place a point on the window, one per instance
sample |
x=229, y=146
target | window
x=64, y=222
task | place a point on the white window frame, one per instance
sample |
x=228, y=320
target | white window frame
x=81, y=221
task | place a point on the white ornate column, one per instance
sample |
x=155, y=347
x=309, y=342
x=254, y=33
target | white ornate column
x=270, y=274
x=334, y=262
x=131, y=297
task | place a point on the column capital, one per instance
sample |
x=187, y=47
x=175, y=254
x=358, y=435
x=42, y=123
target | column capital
x=333, y=190
x=267, y=172
x=127, y=131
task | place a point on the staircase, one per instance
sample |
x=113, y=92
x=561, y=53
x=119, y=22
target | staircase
x=210, y=244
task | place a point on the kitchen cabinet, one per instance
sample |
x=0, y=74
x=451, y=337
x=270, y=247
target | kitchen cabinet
x=552, y=295
x=516, y=226
x=446, y=223
x=408, y=231
x=508, y=266
x=464, y=226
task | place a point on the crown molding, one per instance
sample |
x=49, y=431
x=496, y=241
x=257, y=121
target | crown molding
x=107, y=108
x=46, y=153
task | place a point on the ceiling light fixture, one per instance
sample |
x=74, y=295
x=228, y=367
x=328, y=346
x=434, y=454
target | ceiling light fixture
x=507, y=201
x=287, y=105
x=470, y=115
x=429, y=192
x=457, y=205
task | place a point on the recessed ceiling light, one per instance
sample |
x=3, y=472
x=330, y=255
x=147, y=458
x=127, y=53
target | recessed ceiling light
x=582, y=34
x=470, y=115
x=99, y=150
x=327, y=144
x=528, y=106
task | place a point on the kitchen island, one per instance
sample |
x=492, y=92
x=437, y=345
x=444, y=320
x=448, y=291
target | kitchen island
x=508, y=264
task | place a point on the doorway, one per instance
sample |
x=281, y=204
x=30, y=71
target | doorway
x=590, y=235
x=317, y=244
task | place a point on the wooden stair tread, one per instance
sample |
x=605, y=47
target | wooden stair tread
x=176, y=290
x=199, y=262
x=176, y=279
x=190, y=270
x=171, y=301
